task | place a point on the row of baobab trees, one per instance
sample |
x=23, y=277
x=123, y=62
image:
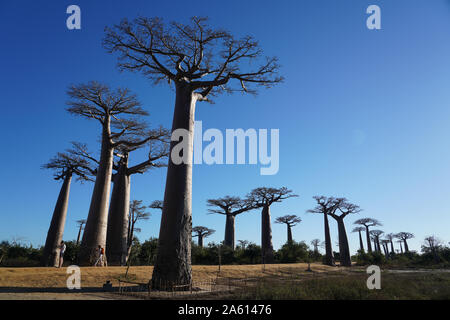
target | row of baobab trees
x=199, y=62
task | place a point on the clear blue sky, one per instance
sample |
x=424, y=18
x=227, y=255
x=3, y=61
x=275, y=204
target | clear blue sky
x=362, y=114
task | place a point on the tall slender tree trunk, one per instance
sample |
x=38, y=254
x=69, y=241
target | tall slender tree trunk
x=361, y=244
x=229, y=231
x=375, y=247
x=369, y=245
x=289, y=233
x=173, y=261
x=200, y=241
x=378, y=244
x=401, y=248
x=392, y=246
x=117, y=235
x=344, y=250
x=406, y=246
x=79, y=234
x=130, y=240
x=329, y=258
x=97, y=221
x=266, y=235
x=55, y=232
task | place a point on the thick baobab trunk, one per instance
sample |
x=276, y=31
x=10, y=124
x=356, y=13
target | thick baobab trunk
x=173, y=261
x=266, y=236
x=55, y=231
x=361, y=244
x=369, y=244
x=229, y=231
x=344, y=250
x=401, y=248
x=289, y=233
x=97, y=221
x=200, y=241
x=375, y=247
x=117, y=235
x=392, y=246
x=329, y=259
x=406, y=245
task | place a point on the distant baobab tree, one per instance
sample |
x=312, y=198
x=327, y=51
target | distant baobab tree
x=116, y=111
x=264, y=197
x=376, y=239
x=367, y=223
x=361, y=243
x=404, y=236
x=432, y=244
x=202, y=232
x=385, y=244
x=400, y=243
x=80, y=228
x=137, y=212
x=316, y=244
x=345, y=208
x=325, y=206
x=290, y=221
x=200, y=62
x=116, y=238
x=243, y=244
x=65, y=166
x=230, y=207
x=390, y=237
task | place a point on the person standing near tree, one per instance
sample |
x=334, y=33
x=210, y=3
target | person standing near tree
x=62, y=249
x=101, y=252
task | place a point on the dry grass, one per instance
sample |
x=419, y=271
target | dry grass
x=96, y=277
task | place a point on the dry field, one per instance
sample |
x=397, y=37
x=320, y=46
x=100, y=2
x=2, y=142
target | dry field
x=44, y=283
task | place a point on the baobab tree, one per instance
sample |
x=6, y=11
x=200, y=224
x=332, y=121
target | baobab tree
x=325, y=206
x=137, y=212
x=230, y=207
x=361, y=242
x=290, y=221
x=345, y=208
x=367, y=223
x=243, y=244
x=404, y=236
x=316, y=244
x=116, y=238
x=264, y=197
x=80, y=223
x=376, y=239
x=202, y=232
x=200, y=62
x=432, y=244
x=65, y=166
x=400, y=243
x=390, y=237
x=385, y=244
x=116, y=111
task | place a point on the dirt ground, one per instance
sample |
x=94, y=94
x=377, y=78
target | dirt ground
x=50, y=283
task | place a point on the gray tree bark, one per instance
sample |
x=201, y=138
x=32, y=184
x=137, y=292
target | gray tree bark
x=392, y=246
x=344, y=250
x=377, y=239
x=173, y=261
x=79, y=234
x=230, y=231
x=369, y=244
x=289, y=233
x=361, y=244
x=266, y=236
x=117, y=234
x=200, y=241
x=406, y=245
x=329, y=258
x=50, y=256
x=97, y=221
